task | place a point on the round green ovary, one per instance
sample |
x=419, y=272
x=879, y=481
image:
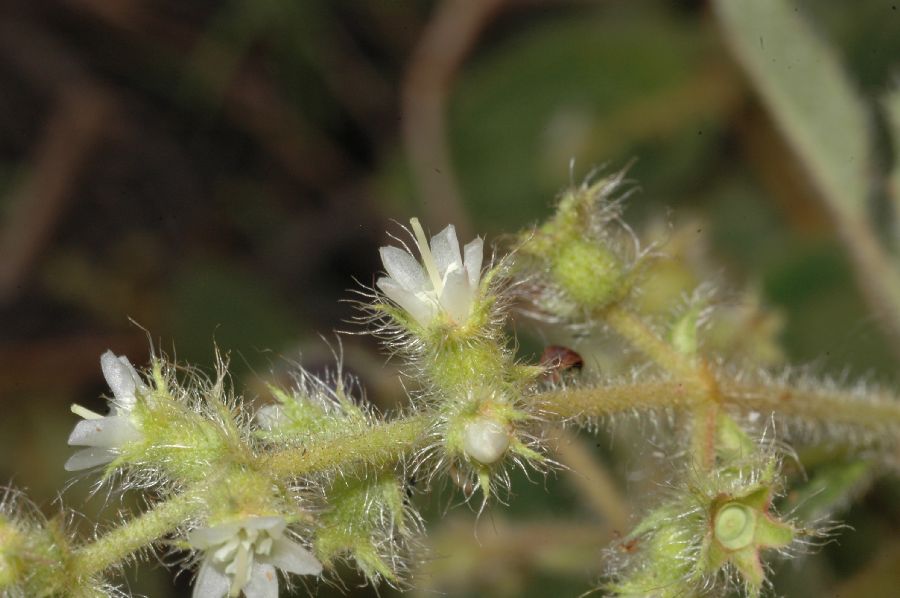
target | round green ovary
x=11, y=543
x=589, y=273
x=734, y=527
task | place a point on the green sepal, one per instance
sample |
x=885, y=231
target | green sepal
x=683, y=333
x=732, y=443
x=354, y=524
x=771, y=533
x=747, y=562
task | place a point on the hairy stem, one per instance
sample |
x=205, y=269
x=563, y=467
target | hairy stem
x=386, y=443
x=867, y=411
x=608, y=400
x=143, y=530
x=377, y=446
x=691, y=371
x=643, y=338
x=872, y=411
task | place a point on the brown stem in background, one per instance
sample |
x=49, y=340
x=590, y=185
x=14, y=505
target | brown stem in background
x=446, y=41
x=591, y=478
x=71, y=135
x=250, y=101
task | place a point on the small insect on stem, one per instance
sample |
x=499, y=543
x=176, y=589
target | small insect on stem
x=558, y=360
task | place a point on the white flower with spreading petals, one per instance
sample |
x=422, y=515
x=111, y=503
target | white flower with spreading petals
x=243, y=555
x=103, y=435
x=446, y=280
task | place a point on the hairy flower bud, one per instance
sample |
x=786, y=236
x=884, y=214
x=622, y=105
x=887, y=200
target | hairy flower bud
x=485, y=440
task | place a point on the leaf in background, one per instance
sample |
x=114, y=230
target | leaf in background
x=214, y=303
x=808, y=94
x=567, y=89
x=891, y=105
x=830, y=487
x=817, y=107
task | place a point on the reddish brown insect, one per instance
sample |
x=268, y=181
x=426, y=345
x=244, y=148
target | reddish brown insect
x=558, y=359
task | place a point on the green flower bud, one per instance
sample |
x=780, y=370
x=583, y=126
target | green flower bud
x=588, y=272
x=11, y=546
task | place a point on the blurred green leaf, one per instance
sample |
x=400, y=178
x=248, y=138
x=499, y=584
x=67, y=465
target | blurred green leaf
x=218, y=304
x=535, y=101
x=831, y=487
x=809, y=95
x=891, y=105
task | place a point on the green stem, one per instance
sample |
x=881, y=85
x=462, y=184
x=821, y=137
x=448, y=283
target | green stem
x=688, y=370
x=130, y=537
x=377, y=446
x=608, y=400
x=642, y=337
x=386, y=443
x=872, y=411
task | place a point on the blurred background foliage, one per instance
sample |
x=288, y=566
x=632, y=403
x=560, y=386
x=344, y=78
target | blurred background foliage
x=222, y=171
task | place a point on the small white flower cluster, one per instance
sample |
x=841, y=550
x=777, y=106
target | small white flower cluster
x=446, y=282
x=241, y=556
x=104, y=435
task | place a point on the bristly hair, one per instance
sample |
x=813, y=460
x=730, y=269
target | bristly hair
x=540, y=298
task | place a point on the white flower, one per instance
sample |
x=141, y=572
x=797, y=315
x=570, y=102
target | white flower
x=104, y=435
x=242, y=556
x=271, y=417
x=448, y=282
x=485, y=440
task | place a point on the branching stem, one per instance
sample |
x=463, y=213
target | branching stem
x=695, y=377
x=386, y=443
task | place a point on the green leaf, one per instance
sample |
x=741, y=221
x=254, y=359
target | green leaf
x=234, y=308
x=891, y=104
x=532, y=102
x=809, y=95
x=829, y=488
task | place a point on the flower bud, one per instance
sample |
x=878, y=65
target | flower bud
x=588, y=272
x=11, y=544
x=485, y=440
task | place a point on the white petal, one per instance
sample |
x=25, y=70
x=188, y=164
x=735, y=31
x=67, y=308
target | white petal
x=293, y=558
x=457, y=297
x=445, y=248
x=89, y=457
x=207, y=537
x=485, y=440
x=270, y=417
x=404, y=269
x=263, y=582
x=210, y=582
x=474, y=254
x=421, y=311
x=121, y=376
x=274, y=525
x=107, y=432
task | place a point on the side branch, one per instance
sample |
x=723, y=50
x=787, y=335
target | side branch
x=609, y=400
x=378, y=446
x=643, y=338
x=389, y=442
x=830, y=406
x=143, y=530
